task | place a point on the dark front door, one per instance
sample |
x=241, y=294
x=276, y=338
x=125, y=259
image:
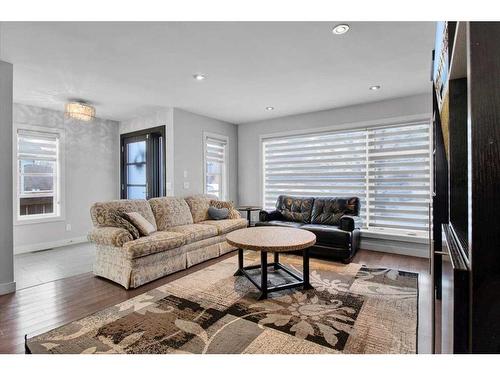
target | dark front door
x=143, y=164
x=135, y=168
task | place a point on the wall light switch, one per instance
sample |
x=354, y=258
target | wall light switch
x=186, y=185
x=68, y=227
x=185, y=174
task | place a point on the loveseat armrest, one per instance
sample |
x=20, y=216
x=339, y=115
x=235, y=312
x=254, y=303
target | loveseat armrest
x=109, y=236
x=270, y=215
x=349, y=223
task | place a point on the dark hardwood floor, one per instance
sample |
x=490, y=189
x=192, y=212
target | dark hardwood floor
x=40, y=308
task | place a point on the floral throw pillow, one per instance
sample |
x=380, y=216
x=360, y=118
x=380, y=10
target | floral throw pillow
x=119, y=219
x=145, y=227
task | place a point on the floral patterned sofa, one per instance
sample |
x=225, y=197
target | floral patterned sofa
x=184, y=236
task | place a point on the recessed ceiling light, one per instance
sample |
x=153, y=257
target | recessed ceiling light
x=269, y=108
x=341, y=29
x=199, y=77
x=375, y=88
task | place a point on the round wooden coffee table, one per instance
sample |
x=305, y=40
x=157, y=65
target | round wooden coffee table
x=274, y=240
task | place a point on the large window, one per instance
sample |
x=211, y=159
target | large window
x=38, y=175
x=388, y=168
x=215, y=150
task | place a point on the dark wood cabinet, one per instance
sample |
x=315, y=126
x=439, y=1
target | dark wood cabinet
x=466, y=237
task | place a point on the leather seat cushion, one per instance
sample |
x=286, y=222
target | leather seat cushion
x=329, y=235
x=279, y=223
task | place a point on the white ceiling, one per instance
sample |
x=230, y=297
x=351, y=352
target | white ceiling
x=128, y=69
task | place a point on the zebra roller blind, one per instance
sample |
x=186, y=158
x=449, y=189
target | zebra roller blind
x=215, y=167
x=388, y=168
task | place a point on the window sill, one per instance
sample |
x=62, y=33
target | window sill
x=395, y=236
x=39, y=220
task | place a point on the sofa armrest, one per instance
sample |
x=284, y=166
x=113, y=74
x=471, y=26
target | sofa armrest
x=109, y=236
x=270, y=215
x=349, y=223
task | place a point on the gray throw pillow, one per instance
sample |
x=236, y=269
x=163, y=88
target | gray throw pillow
x=218, y=213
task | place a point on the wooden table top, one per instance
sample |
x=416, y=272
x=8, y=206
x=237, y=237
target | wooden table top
x=272, y=239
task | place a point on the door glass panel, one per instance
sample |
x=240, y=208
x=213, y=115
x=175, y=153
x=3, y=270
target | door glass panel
x=136, y=174
x=136, y=192
x=136, y=152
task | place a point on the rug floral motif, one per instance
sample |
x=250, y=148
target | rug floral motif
x=351, y=309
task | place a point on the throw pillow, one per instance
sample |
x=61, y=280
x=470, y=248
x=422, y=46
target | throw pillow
x=118, y=219
x=218, y=213
x=233, y=213
x=145, y=227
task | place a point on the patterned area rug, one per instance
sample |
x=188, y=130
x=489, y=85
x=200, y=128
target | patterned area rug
x=352, y=309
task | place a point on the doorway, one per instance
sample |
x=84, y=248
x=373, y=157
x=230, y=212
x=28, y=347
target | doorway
x=143, y=164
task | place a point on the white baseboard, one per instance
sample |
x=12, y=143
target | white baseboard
x=414, y=249
x=48, y=245
x=6, y=288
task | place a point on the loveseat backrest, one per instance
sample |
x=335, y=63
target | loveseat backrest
x=329, y=210
x=296, y=209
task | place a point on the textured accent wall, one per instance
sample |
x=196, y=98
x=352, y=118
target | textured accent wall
x=91, y=173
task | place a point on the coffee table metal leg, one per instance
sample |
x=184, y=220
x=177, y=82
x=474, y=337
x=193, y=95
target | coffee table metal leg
x=239, y=272
x=263, y=275
x=305, y=276
x=276, y=260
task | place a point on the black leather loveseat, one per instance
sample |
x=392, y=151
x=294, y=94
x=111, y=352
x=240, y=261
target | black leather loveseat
x=334, y=221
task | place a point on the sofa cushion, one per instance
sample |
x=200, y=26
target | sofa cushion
x=198, y=204
x=329, y=210
x=278, y=223
x=296, y=209
x=100, y=211
x=329, y=235
x=170, y=212
x=195, y=232
x=154, y=243
x=227, y=225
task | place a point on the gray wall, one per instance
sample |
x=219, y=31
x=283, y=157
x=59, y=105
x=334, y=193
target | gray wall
x=249, y=169
x=7, y=283
x=188, y=146
x=91, y=173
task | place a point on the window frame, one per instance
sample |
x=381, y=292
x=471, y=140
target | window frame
x=224, y=171
x=367, y=125
x=60, y=187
